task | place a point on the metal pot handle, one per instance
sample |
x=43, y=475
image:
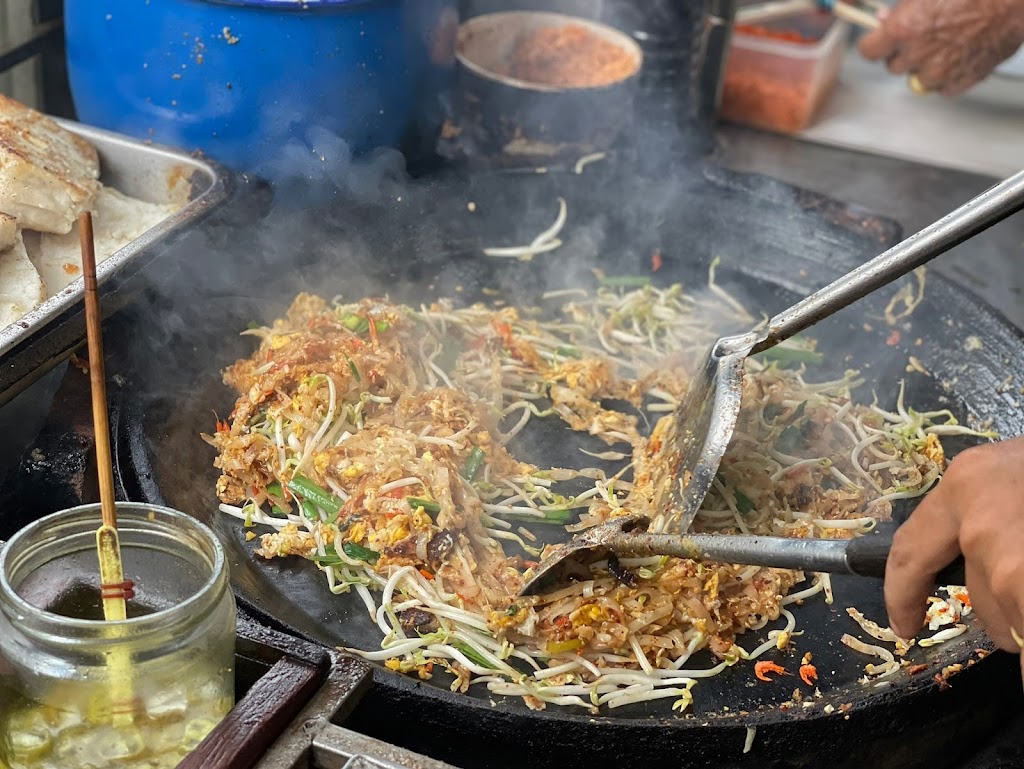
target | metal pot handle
x=714, y=46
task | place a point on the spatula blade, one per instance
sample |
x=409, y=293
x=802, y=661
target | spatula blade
x=702, y=426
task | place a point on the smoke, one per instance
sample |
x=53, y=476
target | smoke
x=343, y=223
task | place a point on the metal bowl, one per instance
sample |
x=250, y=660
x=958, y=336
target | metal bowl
x=518, y=117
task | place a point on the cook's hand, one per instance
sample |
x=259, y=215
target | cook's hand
x=949, y=44
x=978, y=510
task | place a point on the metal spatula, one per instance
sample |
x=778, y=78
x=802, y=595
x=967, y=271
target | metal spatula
x=627, y=537
x=706, y=417
x=704, y=421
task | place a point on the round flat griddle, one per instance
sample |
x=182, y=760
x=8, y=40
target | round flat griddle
x=776, y=244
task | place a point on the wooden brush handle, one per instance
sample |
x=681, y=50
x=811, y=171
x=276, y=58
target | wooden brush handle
x=97, y=374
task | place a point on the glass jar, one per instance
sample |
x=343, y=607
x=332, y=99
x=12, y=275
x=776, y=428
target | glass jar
x=77, y=691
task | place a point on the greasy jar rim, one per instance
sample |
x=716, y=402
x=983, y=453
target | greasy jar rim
x=10, y=598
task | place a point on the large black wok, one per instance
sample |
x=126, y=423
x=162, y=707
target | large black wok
x=775, y=243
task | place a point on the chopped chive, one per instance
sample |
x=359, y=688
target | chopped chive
x=356, y=323
x=426, y=504
x=319, y=496
x=792, y=355
x=473, y=463
x=309, y=510
x=274, y=490
x=743, y=503
x=360, y=553
x=569, y=352
x=559, y=516
x=329, y=559
x=352, y=367
x=472, y=655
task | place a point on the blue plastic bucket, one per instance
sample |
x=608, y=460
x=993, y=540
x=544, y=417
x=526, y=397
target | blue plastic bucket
x=281, y=88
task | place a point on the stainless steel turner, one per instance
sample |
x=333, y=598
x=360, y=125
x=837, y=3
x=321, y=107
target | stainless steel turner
x=628, y=537
x=704, y=421
x=703, y=424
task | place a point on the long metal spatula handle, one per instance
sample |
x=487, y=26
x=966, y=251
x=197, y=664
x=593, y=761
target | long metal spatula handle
x=867, y=557
x=863, y=556
x=990, y=207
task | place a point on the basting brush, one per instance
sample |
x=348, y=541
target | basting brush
x=115, y=590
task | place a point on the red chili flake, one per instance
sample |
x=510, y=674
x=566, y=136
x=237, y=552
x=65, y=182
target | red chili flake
x=894, y=338
x=915, y=669
x=942, y=682
x=656, y=261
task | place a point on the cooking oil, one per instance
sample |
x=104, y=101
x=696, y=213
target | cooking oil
x=63, y=704
x=73, y=728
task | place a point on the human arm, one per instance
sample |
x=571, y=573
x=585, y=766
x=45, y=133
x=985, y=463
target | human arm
x=950, y=45
x=978, y=510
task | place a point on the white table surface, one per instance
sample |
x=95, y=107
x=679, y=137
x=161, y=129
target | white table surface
x=873, y=111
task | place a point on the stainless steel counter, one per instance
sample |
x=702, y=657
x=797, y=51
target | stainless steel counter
x=991, y=265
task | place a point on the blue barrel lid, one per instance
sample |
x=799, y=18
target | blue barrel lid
x=292, y=5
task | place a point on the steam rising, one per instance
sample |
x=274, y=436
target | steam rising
x=341, y=224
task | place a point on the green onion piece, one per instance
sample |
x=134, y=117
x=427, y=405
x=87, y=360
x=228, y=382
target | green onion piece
x=320, y=497
x=559, y=516
x=473, y=463
x=512, y=610
x=251, y=325
x=792, y=355
x=329, y=559
x=382, y=326
x=743, y=503
x=278, y=511
x=624, y=281
x=426, y=504
x=569, y=352
x=352, y=367
x=356, y=323
x=556, y=516
x=309, y=510
x=274, y=490
x=472, y=655
x=360, y=553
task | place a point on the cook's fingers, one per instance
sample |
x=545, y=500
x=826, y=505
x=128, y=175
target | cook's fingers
x=986, y=606
x=922, y=546
x=898, y=64
x=877, y=45
x=957, y=87
x=934, y=73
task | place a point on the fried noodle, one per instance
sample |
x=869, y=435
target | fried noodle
x=372, y=438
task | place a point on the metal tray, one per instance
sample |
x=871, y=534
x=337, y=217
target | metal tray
x=48, y=335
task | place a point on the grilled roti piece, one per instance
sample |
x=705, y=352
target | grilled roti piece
x=117, y=220
x=8, y=231
x=48, y=176
x=21, y=288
